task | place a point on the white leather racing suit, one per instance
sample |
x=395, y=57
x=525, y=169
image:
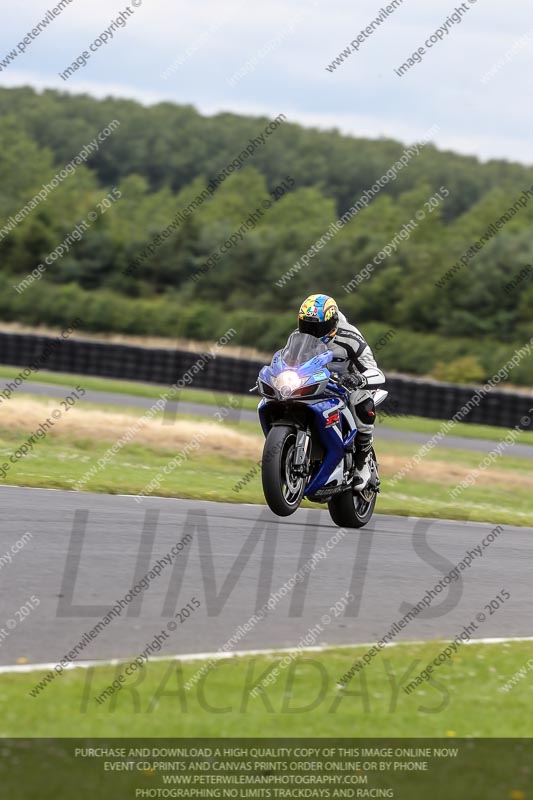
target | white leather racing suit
x=351, y=353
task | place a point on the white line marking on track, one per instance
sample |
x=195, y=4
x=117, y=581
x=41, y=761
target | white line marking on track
x=243, y=653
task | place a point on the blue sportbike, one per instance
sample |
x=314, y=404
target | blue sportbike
x=310, y=430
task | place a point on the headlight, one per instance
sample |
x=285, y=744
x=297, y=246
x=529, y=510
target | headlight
x=287, y=382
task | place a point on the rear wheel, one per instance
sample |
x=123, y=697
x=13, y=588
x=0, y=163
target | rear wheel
x=353, y=509
x=282, y=487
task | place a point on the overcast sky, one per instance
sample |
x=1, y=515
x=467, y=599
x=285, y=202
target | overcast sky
x=215, y=38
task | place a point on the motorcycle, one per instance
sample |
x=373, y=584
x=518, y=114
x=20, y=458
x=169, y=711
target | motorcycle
x=309, y=432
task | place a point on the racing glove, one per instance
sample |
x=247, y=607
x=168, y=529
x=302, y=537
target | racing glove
x=353, y=381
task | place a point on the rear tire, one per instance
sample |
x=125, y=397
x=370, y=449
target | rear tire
x=353, y=509
x=349, y=510
x=283, y=491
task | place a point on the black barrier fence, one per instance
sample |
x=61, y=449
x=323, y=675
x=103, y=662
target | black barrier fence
x=412, y=397
x=408, y=769
x=407, y=396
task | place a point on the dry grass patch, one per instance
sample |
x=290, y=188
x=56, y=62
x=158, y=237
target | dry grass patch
x=26, y=415
x=449, y=472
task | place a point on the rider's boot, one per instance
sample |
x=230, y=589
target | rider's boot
x=363, y=447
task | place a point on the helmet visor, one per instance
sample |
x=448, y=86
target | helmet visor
x=316, y=328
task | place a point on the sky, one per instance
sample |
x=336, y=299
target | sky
x=268, y=58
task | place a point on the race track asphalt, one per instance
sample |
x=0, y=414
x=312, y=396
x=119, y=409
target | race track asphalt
x=87, y=548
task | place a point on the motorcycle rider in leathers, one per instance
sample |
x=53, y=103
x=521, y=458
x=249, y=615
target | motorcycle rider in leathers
x=353, y=359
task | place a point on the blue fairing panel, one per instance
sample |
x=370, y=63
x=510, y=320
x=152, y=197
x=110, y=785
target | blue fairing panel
x=332, y=441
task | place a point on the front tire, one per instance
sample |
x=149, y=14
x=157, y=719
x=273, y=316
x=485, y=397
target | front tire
x=282, y=489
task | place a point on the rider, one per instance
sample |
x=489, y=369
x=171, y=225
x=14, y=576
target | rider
x=319, y=316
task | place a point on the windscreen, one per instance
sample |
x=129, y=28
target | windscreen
x=302, y=347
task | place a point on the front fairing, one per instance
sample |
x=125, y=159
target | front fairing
x=304, y=361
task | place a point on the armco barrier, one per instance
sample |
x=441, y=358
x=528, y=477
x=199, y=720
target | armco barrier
x=407, y=396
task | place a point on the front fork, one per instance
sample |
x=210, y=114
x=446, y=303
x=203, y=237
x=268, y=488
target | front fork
x=301, y=461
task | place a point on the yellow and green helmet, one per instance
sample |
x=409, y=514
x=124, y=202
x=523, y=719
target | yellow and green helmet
x=319, y=316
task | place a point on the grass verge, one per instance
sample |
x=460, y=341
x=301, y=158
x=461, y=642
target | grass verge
x=463, y=698
x=462, y=429
x=210, y=460
x=249, y=402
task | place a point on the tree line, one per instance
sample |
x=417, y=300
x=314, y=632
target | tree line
x=202, y=234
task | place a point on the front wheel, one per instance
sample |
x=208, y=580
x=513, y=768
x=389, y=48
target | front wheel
x=282, y=487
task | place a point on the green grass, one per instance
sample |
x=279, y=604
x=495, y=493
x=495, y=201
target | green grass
x=462, y=703
x=430, y=499
x=464, y=699
x=59, y=462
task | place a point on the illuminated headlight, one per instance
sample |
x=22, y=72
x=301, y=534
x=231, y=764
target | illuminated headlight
x=287, y=382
